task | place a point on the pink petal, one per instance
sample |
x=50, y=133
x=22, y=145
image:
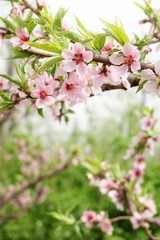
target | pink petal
x=127, y=49
x=40, y=103
x=16, y=41
x=122, y=69
x=67, y=54
x=35, y=94
x=78, y=48
x=136, y=54
x=99, y=81
x=69, y=65
x=135, y=66
x=150, y=86
x=25, y=46
x=157, y=67
x=49, y=90
x=148, y=74
x=81, y=68
x=116, y=60
x=126, y=83
x=41, y=87
x=88, y=56
x=49, y=100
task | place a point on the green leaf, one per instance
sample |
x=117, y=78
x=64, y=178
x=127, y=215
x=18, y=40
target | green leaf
x=99, y=41
x=40, y=112
x=19, y=53
x=11, y=79
x=5, y=98
x=82, y=29
x=50, y=47
x=67, y=220
x=117, y=33
x=49, y=63
x=141, y=86
x=57, y=26
x=8, y=23
x=73, y=36
x=31, y=25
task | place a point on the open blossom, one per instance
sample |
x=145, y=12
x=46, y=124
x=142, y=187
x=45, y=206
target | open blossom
x=139, y=162
x=149, y=204
x=129, y=59
x=138, y=220
x=3, y=84
x=88, y=218
x=153, y=80
x=22, y=37
x=76, y=56
x=72, y=89
x=105, y=185
x=44, y=95
x=105, y=226
x=146, y=123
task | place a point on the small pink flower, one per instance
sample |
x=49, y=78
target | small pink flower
x=3, y=84
x=148, y=203
x=139, y=163
x=17, y=10
x=105, y=226
x=146, y=123
x=65, y=26
x=137, y=220
x=22, y=37
x=88, y=218
x=43, y=95
x=107, y=47
x=153, y=80
x=130, y=152
x=76, y=56
x=41, y=3
x=129, y=59
x=105, y=185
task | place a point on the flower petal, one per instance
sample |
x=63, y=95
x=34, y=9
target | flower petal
x=116, y=60
x=68, y=65
x=78, y=48
x=135, y=66
x=67, y=54
x=128, y=49
x=88, y=56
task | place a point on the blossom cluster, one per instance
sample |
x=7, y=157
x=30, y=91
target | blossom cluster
x=141, y=208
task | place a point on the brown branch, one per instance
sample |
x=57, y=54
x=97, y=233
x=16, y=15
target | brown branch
x=116, y=219
x=60, y=168
x=30, y=6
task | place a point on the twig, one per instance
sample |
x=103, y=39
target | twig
x=60, y=168
x=30, y=6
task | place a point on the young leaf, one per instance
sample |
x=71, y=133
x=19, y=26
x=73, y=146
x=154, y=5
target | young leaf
x=40, y=112
x=11, y=79
x=82, y=29
x=57, y=25
x=49, y=63
x=47, y=47
x=5, y=98
x=99, y=41
x=72, y=36
x=117, y=33
x=141, y=86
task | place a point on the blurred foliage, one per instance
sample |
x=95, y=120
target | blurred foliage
x=105, y=139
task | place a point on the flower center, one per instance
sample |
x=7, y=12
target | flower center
x=43, y=94
x=78, y=58
x=69, y=87
x=128, y=60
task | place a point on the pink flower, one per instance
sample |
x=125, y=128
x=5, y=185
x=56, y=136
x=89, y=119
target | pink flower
x=41, y=3
x=76, y=56
x=72, y=89
x=3, y=84
x=88, y=218
x=105, y=226
x=43, y=95
x=114, y=195
x=107, y=47
x=139, y=163
x=146, y=123
x=129, y=59
x=17, y=10
x=105, y=185
x=65, y=26
x=130, y=152
x=153, y=80
x=138, y=220
x=148, y=203
x=22, y=37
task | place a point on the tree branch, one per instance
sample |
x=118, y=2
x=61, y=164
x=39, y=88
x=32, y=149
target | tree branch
x=30, y=6
x=60, y=168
